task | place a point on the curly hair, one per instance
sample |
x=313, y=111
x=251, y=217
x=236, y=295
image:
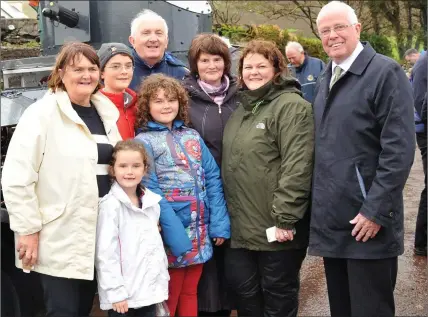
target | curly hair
x=129, y=145
x=150, y=88
x=268, y=50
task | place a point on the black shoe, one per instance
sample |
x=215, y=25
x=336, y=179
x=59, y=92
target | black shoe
x=421, y=251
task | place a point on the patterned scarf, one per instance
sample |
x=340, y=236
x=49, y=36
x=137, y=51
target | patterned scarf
x=217, y=94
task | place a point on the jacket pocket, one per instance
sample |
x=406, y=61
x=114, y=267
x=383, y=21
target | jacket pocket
x=361, y=182
x=51, y=213
x=182, y=210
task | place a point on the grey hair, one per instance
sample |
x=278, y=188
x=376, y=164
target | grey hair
x=335, y=6
x=411, y=51
x=294, y=45
x=146, y=15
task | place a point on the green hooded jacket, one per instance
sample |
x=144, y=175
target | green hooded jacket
x=267, y=162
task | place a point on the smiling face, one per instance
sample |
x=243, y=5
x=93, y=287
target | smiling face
x=210, y=68
x=164, y=109
x=150, y=41
x=256, y=71
x=80, y=79
x=129, y=169
x=117, y=73
x=339, y=45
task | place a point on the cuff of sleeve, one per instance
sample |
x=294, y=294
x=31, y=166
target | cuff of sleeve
x=286, y=226
x=117, y=295
x=379, y=218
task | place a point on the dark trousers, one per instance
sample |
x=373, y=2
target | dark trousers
x=421, y=220
x=66, y=297
x=148, y=311
x=361, y=287
x=265, y=283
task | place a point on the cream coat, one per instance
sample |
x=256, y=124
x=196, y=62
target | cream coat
x=130, y=257
x=50, y=186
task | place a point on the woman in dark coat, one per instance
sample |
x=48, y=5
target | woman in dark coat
x=212, y=92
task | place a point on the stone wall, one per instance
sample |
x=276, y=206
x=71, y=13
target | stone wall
x=16, y=34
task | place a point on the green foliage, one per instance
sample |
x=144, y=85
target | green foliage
x=313, y=47
x=272, y=33
x=239, y=34
x=380, y=43
x=235, y=33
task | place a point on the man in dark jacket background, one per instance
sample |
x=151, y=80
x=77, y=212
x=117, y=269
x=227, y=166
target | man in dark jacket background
x=149, y=39
x=304, y=67
x=364, y=150
x=419, y=75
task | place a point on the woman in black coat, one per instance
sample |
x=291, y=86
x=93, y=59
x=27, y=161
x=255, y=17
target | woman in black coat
x=212, y=92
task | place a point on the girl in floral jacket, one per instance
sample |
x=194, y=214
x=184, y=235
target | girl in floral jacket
x=186, y=175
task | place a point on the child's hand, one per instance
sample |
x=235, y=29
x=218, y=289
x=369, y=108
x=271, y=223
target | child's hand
x=159, y=227
x=121, y=307
x=218, y=241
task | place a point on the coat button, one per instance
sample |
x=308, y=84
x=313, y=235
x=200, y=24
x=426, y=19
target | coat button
x=391, y=214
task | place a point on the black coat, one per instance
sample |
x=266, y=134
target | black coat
x=419, y=74
x=206, y=116
x=364, y=150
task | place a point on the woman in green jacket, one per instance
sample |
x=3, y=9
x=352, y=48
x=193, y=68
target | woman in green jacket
x=267, y=169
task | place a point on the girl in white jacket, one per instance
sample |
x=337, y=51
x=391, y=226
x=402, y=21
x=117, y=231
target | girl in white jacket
x=131, y=263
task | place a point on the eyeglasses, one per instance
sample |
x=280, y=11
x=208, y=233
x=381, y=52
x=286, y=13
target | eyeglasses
x=118, y=67
x=337, y=29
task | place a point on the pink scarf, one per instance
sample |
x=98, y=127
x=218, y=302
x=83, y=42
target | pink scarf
x=217, y=94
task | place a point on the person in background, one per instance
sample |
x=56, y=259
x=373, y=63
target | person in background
x=185, y=174
x=411, y=56
x=212, y=97
x=420, y=96
x=54, y=174
x=267, y=169
x=149, y=39
x=117, y=68
x=132, y=268
x=306, y=68
x=364, y=150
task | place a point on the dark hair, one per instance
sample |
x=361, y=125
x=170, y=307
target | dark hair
x=149, y=89
x=130, y=145
x=208, y=43
x=69, y=54
x=410, y=51
x=268, y=50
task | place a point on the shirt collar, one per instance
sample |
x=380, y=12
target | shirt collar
x=346, y=64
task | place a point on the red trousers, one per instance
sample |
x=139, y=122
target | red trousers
x=183, y=290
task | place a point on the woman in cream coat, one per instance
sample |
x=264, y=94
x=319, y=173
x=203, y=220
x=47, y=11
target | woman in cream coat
x=54, y=174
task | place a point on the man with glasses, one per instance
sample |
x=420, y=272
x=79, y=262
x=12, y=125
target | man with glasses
x=364, y=150
x=117, y=68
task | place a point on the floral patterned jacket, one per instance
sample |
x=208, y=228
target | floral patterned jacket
x=185, y=174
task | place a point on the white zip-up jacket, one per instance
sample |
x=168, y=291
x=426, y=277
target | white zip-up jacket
x=130, y=258
x=49, y=182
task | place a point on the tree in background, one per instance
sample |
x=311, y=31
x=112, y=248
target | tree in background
x=403, y=20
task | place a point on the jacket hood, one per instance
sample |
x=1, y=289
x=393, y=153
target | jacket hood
x=154, y=126
x=269, y=91
x=149, y=198
x=119, y=98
